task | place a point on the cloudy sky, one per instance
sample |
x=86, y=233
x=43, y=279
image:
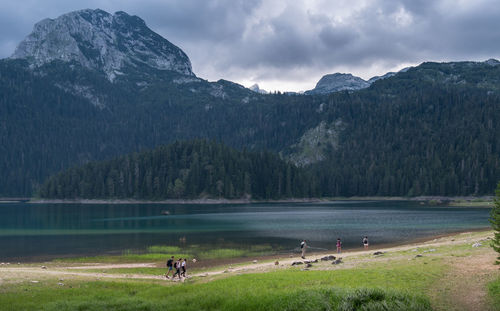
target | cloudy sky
x=289, y=45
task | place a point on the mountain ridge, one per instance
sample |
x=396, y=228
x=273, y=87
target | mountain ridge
x=101, y=41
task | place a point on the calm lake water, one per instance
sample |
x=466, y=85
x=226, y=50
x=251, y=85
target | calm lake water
x=45, y=231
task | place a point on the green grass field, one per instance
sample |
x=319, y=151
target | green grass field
x=494, y=293
x=375, y=286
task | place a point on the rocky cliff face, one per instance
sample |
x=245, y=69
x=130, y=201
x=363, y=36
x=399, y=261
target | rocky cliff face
x=101, y=41
x=338, y=82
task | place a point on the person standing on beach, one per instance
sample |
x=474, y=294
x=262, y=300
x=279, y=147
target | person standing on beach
x=183, y=267
x=170, y=264
x=339, y=246
x=365, y=242
x=303, y=247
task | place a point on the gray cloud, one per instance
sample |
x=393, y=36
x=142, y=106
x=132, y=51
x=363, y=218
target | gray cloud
x=290, y=44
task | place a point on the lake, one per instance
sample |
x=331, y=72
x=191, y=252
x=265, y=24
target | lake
x=45, y=231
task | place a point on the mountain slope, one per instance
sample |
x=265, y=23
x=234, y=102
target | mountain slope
x=432, y=129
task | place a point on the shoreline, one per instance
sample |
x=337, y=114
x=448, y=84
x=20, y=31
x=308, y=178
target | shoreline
x=453, y=272
x=437, y=199
x=372, y=248
x=214, y=262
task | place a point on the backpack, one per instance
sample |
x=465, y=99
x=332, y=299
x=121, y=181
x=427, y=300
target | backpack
x=169, y=263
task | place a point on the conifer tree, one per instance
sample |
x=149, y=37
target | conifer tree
x=495, y=223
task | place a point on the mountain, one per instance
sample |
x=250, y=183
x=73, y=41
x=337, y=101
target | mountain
x=432, y=129
x=256, y=89
x=385, y=76
x=347, y=82
x=100, y=41
x=338, y=82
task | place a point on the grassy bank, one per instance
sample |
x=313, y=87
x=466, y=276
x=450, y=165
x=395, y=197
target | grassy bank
x=398, y=279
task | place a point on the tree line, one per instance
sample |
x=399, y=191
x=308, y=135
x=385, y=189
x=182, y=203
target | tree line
x=187, y=169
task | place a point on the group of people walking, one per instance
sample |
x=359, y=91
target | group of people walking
x=179, y=266
x=303, y=246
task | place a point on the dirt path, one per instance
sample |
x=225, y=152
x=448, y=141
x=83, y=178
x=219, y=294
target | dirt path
x=465, y=285
x=114, y=266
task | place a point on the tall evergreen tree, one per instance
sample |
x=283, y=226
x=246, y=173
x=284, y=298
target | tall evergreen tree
x=495, y=223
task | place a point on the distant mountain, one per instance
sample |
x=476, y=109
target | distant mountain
x=346, y=82
x=338, y=82
x=117, y=87
x=257, y=89
x=100, y=41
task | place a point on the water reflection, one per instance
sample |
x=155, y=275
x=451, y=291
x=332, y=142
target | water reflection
x=74, y=229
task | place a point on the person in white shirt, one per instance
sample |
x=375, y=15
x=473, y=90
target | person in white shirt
x=183, y=266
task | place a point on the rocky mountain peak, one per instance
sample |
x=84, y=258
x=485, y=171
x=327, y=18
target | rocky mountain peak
x=338, y=82
x=101, y=41
x=257, y=89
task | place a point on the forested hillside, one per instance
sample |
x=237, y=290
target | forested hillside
x=191, y=169
x=416, y=133
x=45, y=129
x=424, y=139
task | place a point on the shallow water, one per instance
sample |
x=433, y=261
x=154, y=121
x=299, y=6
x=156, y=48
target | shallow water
x=45, y=231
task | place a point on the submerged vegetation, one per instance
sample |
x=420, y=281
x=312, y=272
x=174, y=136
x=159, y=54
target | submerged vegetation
x=159, y=253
